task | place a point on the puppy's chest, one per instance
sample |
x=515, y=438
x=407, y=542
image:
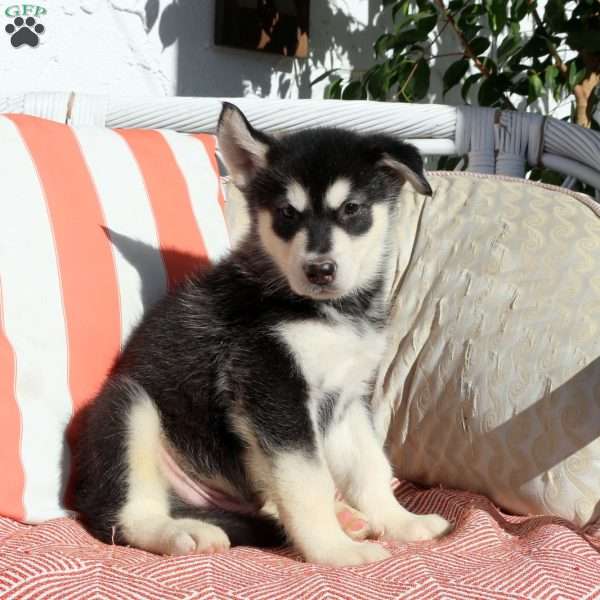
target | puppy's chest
x=334, y=356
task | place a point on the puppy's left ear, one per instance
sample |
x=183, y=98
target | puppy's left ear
x=405, y=160
x=244, y=149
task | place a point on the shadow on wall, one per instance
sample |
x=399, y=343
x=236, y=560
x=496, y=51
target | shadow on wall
x=204, y=69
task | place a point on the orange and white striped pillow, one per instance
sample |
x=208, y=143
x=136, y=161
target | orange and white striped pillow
x=95, y=225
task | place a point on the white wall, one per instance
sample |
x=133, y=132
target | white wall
x=165, y=47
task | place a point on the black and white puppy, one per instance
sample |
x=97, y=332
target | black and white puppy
x=249, y=385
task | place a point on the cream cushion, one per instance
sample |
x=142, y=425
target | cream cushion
x=492, y=378
x=493, y=370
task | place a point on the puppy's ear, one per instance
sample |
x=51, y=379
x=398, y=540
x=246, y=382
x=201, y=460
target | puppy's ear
x=243, y=148
x=406, y=162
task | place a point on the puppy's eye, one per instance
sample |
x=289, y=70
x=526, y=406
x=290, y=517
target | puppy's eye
x=351, y=208
x=288, y=212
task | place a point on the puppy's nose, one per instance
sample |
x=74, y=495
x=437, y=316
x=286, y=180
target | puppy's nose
x=320, y=272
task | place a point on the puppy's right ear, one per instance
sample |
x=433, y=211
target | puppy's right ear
x=244, y=149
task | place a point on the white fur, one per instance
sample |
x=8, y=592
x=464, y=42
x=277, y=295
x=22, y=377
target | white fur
x=360, y=258
x=363, y=474
x=305, y=503
x=144, y=518
x=336, y=357
x=297, y=196
x=337, y=193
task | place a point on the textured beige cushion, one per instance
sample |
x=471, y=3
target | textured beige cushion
x=493, y=371
x=492, y=374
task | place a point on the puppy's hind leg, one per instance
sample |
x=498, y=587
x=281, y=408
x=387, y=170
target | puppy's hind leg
x=144, y=520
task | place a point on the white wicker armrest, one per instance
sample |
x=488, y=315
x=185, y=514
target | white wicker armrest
x=495, y=142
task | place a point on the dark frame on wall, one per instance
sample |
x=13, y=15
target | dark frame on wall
x=276, y=26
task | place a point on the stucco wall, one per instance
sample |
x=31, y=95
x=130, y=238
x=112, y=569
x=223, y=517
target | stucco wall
x=165, y=47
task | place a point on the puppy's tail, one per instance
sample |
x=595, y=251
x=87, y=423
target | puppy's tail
x=259, y=529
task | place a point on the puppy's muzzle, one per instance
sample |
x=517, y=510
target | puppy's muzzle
x=320, y=272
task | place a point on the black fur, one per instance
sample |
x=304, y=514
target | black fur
x=208, y=350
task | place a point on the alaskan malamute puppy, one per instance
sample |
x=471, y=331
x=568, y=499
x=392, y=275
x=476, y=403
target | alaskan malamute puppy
x=248, y=387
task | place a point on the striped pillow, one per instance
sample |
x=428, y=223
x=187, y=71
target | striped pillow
x=95, y=225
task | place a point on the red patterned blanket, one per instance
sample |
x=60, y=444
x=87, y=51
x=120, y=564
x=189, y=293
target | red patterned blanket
x=489, y=555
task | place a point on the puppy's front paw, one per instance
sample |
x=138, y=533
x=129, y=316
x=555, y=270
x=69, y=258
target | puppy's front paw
x=348, y=554
x=417, y=528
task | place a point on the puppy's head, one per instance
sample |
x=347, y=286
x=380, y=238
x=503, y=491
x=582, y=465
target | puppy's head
x=320, y=200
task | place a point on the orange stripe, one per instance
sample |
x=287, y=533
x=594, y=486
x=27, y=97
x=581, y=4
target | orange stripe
x=210, y=144
x=13, y=477
x=87, y=271
x=180, y=238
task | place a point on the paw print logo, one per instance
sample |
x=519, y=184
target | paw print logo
x=24, y=31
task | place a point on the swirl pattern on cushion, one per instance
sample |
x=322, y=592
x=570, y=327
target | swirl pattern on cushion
x=492, y=379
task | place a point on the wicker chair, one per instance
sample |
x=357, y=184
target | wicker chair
x=495, y=142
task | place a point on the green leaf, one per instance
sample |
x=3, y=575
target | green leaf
x=550, y=75
x=466, y=86
x=497, y=15
x=448, y=163
x=472, y=11
x=491, y=92
x=470, y=31
x=400, y=7
x=353, y=91
x=377, y=81
x=409, y=37
x=489, y=64
x=421, y=79
x=456, y=5
x=334, y=90
x=454, y=73
x=323, y=76
x=554, y=15
x=428, y=24
x=518, y=10
x=535, y=47
x=382, y=44
x=400, y=77
x=510, y=44
x=521, y=86
x=575, y=75
x=536, y=87
x=479, y=45
x=412, y=79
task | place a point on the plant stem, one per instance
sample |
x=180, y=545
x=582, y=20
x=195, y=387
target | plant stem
x=582, y=91
x=410, y=76
x=445, y=55
x=468, y=52
x=558, y=61
x=438, y=34
x=461, y=36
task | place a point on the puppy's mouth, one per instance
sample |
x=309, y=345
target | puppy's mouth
x=320, y=292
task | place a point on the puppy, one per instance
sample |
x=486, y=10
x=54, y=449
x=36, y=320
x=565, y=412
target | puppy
x=249, y=385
